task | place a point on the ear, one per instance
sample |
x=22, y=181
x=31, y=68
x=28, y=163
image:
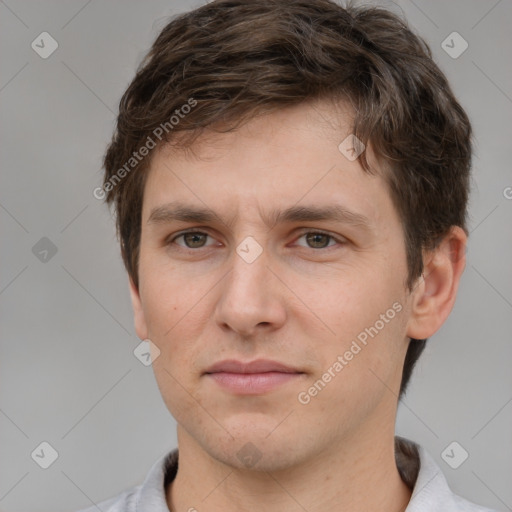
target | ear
x=435, y=292
x=139, y=318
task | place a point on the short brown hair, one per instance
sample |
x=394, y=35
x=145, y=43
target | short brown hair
x=235, y=59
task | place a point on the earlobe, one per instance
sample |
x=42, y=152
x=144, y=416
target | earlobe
x=139, y=318
x=435, y=292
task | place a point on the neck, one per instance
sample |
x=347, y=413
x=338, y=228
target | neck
x=359, y=474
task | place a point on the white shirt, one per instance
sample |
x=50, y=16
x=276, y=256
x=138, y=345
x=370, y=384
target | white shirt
x=416, y=467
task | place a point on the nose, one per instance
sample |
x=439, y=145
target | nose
x=251, y=298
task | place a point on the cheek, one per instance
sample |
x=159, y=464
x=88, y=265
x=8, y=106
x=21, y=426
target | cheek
x=177, y=309
x=166, y=295
x=363, y=320
x=347, y=305
x=175, y=325
x=359, y=367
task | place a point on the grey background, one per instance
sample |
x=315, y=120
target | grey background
x=68, y=374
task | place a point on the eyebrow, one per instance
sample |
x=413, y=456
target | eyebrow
x=177, y=211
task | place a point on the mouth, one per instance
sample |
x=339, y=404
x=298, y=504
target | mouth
x=252, y=378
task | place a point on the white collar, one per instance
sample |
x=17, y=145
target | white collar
x=417, y=468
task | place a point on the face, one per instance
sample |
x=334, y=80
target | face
x=270, y=244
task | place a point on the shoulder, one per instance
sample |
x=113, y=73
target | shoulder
x=124, y=502
x=467, y=506
x=430, y=489
x=146, y=497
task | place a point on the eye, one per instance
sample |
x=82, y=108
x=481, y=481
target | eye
x=313, y=240
x=191, y=239
x=319, y=240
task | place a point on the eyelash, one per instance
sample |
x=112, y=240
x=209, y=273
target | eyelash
x=171, y=241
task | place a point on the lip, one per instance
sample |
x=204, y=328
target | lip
x=257, y=366
x=251, y=378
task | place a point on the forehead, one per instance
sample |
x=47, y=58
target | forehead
x=290, y=157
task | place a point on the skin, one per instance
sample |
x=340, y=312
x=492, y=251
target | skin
x=301, y=302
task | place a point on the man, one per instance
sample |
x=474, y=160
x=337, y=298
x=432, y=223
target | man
x=290, y=180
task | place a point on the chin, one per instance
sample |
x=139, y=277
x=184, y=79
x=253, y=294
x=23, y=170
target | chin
x=258, y=453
